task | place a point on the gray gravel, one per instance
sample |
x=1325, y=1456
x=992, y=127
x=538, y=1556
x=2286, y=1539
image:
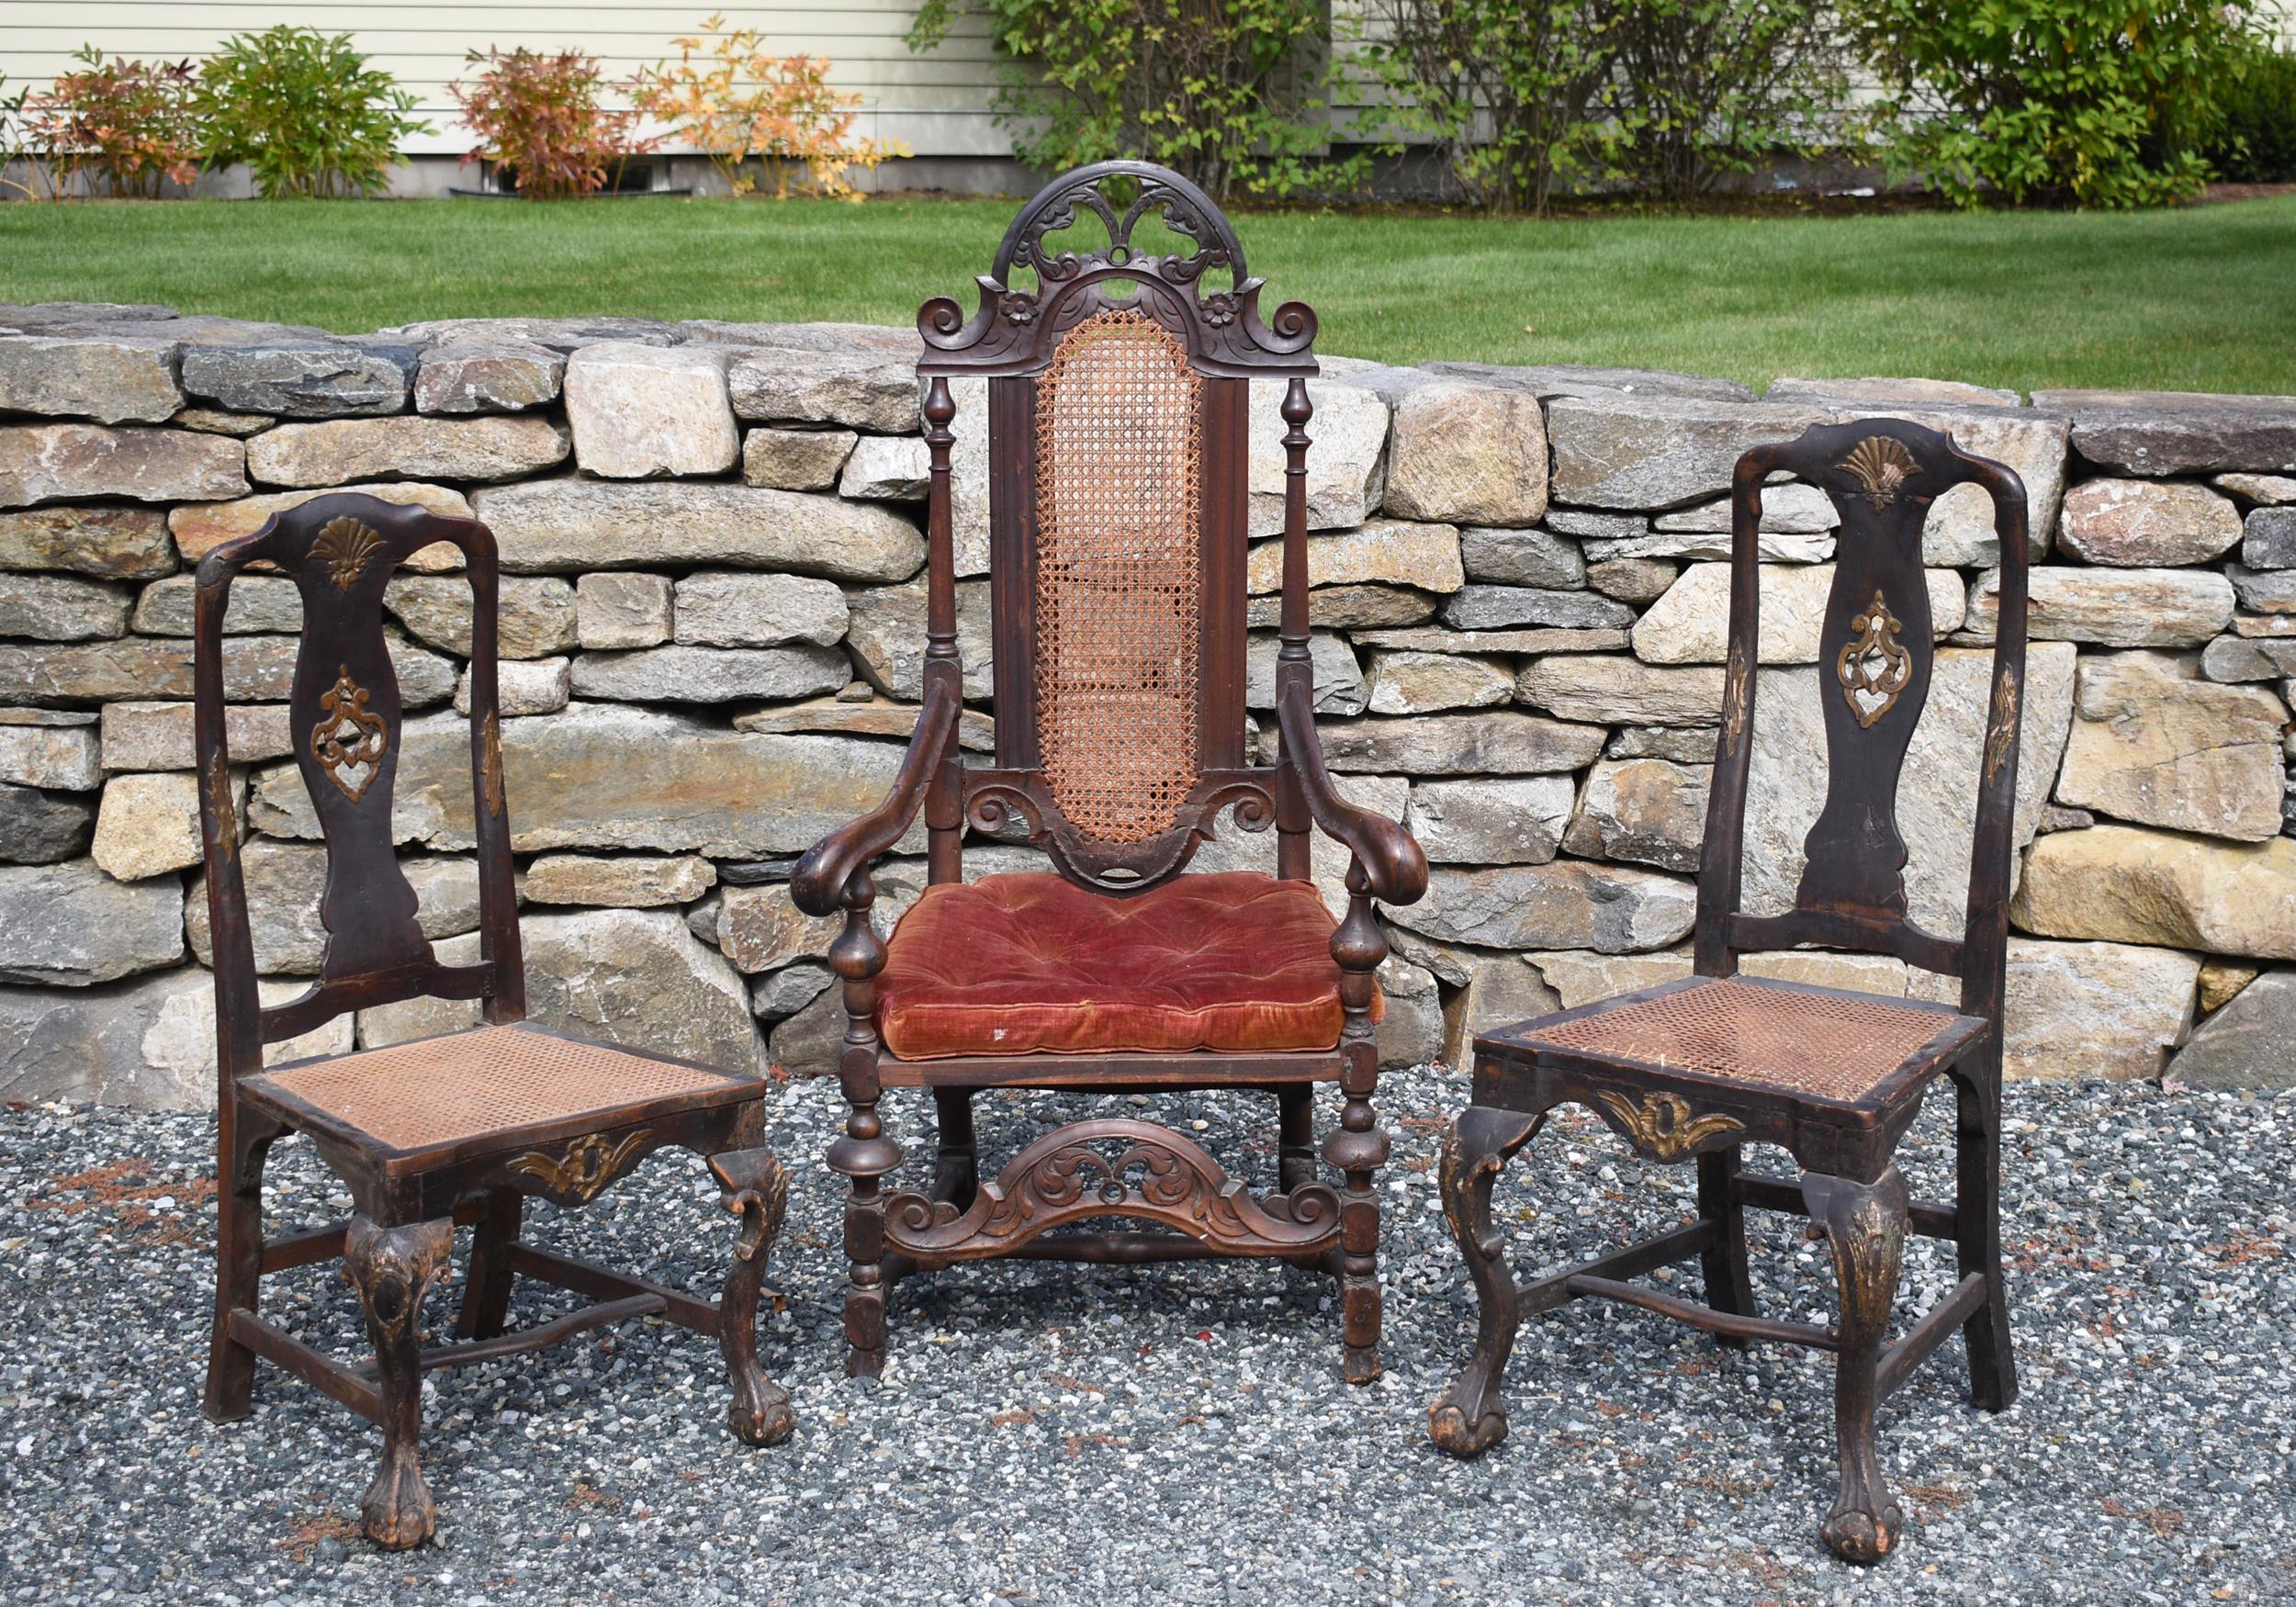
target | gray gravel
x=1063, y=1434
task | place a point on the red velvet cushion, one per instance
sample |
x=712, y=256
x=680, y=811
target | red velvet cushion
x=1230, y=961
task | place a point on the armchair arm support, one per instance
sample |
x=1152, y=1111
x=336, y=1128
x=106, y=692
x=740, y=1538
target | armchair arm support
x=1392, y=861
x=818, y=885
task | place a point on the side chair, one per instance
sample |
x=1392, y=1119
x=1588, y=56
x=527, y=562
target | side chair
x=456, y=1129
x=1694, y=1069
x=1118, y=390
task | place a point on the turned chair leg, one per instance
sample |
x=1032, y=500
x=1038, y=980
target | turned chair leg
x=1357, y=1149
x=1295, y=1135
x=1729, y=1288
x=755, y=1190
x=1978, y=1240
x=485, y=1297
x=1469, y=1419
x=957, y=1174
x=392, y=1268
x=237, y=1268
x=1866, y=1229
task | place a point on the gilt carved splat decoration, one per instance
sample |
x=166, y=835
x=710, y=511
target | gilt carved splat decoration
x=1875, y=667
x=349, y=740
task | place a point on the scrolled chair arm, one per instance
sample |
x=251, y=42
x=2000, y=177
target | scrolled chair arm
x=1391, y=859
x=819, y=884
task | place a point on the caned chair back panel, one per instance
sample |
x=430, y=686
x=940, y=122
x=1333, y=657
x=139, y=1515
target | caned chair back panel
x=347, y=725
x=1875, y=658
x=1118, y=405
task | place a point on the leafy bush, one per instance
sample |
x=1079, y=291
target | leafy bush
x=1508, y=91
x=1224, y=92
x=2094, y=102
x=1527, y=99
x=739, y=103
x=1705, y=88
x=124, y=126
x=538, y=119
x=2258, y=142
x=304, y=111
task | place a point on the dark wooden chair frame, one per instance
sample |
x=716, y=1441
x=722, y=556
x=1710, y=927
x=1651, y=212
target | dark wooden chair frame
x=1852, y=896
x=1010, y=340
x=340, y=550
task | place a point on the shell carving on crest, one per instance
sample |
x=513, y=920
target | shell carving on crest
x=1882, y=466
x=346, y=545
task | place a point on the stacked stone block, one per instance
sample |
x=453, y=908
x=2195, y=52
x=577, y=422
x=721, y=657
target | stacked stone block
x=713, y=631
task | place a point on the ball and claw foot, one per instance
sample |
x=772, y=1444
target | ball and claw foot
x=1860, y=1536
x=755, y=1189
x=760, y=1413
x=396, y=1512
x=1452, y=1430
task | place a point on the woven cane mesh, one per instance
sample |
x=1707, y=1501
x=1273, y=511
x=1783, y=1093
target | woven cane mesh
x=1119, y=605
x=442, y=1090
x=1778, y=1038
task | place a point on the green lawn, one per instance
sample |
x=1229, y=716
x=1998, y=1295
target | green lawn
x=2199, y=300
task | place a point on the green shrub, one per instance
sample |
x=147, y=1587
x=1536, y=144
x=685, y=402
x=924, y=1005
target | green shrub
x=2098, y=103
x=2258, y=142
x=304, y=112
x=1707, y=88
x=538, y=119
x=1508, y=91
x=1226, y=91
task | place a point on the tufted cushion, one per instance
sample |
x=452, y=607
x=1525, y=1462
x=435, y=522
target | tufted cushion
x=1022, y=964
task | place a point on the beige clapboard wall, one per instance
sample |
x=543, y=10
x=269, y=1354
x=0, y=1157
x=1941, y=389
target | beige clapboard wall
x=938, y=101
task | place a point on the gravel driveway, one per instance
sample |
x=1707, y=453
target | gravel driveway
x=1054, y=1433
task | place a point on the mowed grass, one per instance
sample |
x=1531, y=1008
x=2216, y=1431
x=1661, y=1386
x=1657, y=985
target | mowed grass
x=2194, y=300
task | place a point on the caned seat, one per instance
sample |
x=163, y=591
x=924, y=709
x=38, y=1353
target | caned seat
x=1032, y=963
x=510, y=1086
x=1818, y=1044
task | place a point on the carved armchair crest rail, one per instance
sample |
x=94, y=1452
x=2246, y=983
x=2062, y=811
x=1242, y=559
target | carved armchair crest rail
x=1118, y=386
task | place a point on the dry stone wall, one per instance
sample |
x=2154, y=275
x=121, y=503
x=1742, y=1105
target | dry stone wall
x=713, y=623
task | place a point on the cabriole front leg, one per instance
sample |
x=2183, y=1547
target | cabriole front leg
x=392, y=1268
x=755, y=1190
x=1866, y=1229
x=1469, y=1419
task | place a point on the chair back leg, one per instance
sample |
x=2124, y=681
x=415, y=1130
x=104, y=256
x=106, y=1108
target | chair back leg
x=486, y=1295
x=1730, y=1287
x=1978, y=1234
x=244, y=1145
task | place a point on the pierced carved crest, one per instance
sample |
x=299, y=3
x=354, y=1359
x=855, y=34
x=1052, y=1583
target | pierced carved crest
x=589, y=1163
x=1875, y=667
x=1662, y=1123
x=346, y=545
x=1882, y=466
x=350, y=739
